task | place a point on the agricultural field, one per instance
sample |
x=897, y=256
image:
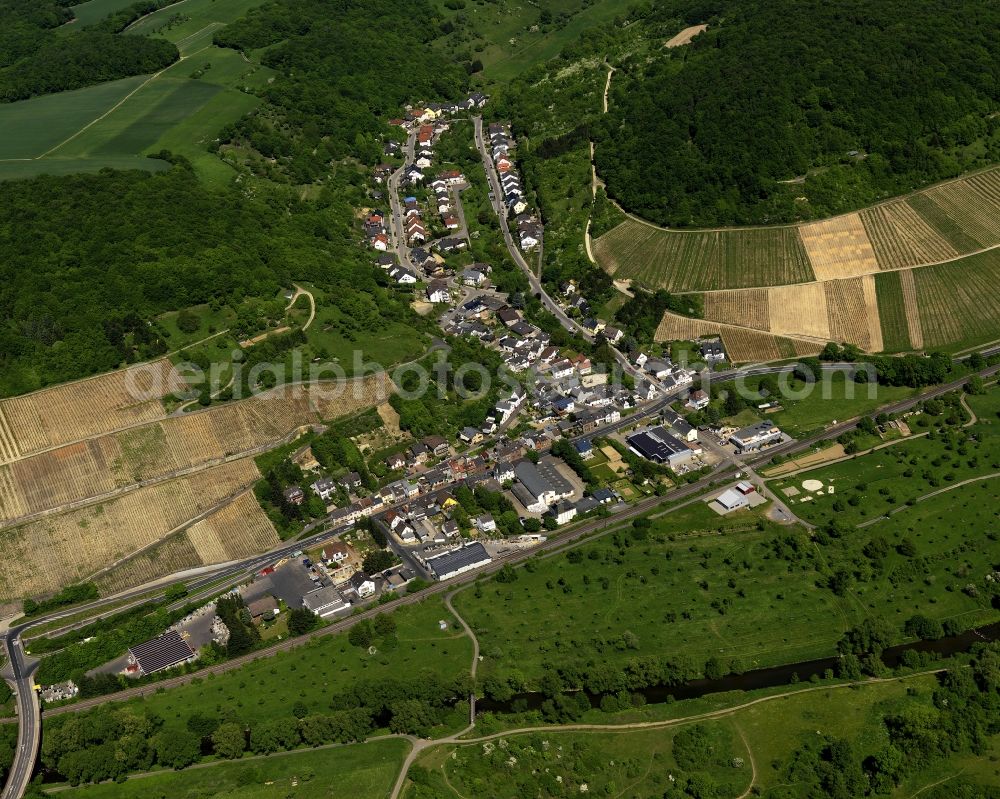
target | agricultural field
x=958, y=302
x=44, y=555
x=901, y=238
x=828, y=280
x=702, y=260
x=838, y=248
x=116, y=461
x=742, y=344
x=233, y=532
x=686, y=590
x=172, y=554
x=95, y=10
x=311, y=673
x=894, y=312
x=180, y=109
x=74, y=411
x=362, y=771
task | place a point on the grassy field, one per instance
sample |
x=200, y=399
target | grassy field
x=895, y=475
x=836, y=399
x=363, y=771
x=692, y=597
x=641, y=763
x=507, y=38
x=313, y=672
x=116, y=124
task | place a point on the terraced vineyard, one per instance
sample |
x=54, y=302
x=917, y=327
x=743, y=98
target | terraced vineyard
x=959, y=303
x=43, y=555
x=86, y=408
x=114, y=461
x=909, y=274
x=696, y=260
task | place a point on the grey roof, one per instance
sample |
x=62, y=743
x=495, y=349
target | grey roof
x=540, y=478
x=471, y=555
x=161, y=653
x=322, y=598
x=756, y=429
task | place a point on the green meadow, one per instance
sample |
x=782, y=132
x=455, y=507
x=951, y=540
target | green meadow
x=312, y=673
x=117, y=124
x=361, y=771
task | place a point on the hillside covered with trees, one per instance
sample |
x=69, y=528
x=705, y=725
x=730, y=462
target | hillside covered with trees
x=41, y=54
x=87, y=260
x=343, y=68
x=852, y=102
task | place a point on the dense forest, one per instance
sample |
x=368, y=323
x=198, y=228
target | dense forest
x=343, y=68
x=854, y=101
x=37, y=56
x=87, y=260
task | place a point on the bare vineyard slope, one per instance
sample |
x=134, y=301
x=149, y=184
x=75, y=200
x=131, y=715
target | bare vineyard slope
x=742, y=344
x=112, y=463
x=42, y=556
x=75, y=411
x=103, y=507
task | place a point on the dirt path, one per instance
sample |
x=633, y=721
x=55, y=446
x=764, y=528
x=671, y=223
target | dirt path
x=299, y=291
x=924, y=497
x=753, y=764
x=120, y=103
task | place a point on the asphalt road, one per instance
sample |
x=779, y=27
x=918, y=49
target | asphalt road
x=18, y=675
x=18, y=670
x=512, y=247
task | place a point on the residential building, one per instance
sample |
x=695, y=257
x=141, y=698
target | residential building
x=326, y=602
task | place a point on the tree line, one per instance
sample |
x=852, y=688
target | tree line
x=36, y=58
x=854, y=101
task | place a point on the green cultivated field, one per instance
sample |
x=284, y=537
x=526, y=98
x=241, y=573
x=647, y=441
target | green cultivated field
x=959, y=301
x=33, y=127
x=892, y=312
x=701, y=260
x=267, y=688
x=181, y=110
x=704, y=594
x=363, y=771
x=190, y=24
x=944, y=223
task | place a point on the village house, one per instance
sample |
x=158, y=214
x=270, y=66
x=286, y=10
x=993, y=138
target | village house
x=437, y=292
